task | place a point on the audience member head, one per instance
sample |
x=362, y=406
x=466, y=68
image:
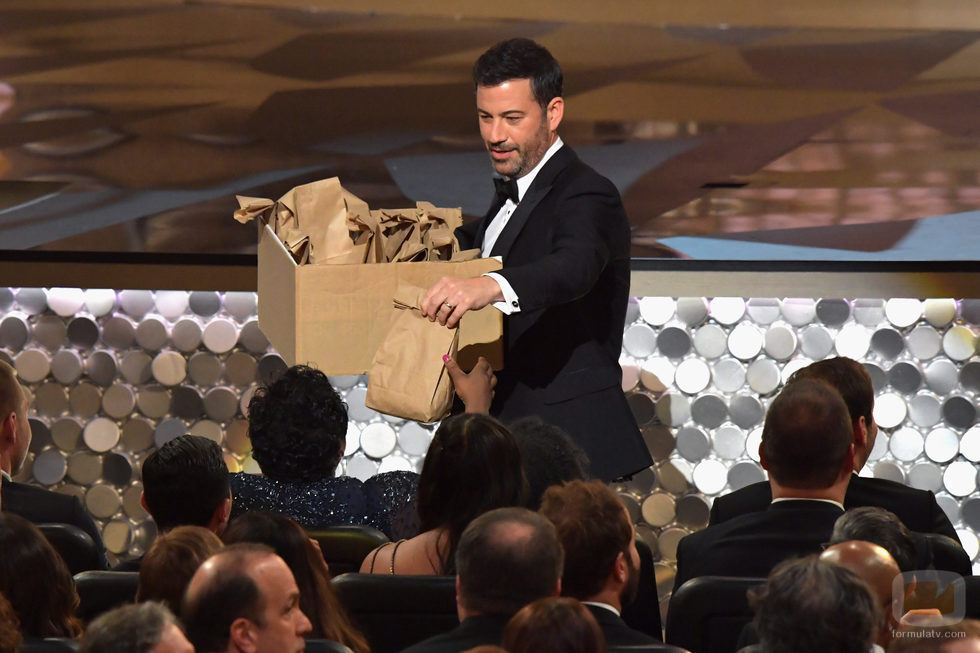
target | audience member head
x=136, y=628
x=473, y=465
x=596, y=533
x=876, y=567
x=185, y=483
x=878, y=526
x=811, y=606
x=316, y=598
x=169, y=565
x=554, y=625
x=549, y=455
x=961, y=637
x=15, y=430
x=852, y=381
x=520, y=58
x=244, y=599
x=507, y=558
x=36, y=581
x=298, y=426
x=10, y=637
x=806, y=440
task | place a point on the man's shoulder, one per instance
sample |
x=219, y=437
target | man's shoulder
x=38, y=504
x=751, y=498
x=473, y=631
x=617, y=631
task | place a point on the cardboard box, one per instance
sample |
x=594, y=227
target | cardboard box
x=335, y=316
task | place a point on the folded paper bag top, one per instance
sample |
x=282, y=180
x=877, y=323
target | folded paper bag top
x=408, y=377
x=322, y=222
x=323, y=301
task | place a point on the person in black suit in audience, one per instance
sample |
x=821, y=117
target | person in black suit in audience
x=507, y=558
x=812, y=606
x=808, y=450
x=602, y=566
x=917, y=509
x=34, y=504
x=185, y=483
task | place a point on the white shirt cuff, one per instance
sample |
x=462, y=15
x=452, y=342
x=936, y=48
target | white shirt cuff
x=511, y=303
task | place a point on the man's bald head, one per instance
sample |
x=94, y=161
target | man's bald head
x=876, y=567
x=221, y=591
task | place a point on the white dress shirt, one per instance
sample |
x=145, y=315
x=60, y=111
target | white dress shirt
x=511, y=302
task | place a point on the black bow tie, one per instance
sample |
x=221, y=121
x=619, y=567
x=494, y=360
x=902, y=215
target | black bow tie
x=506, y=189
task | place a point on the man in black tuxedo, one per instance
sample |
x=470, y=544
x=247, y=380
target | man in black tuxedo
x=33, y=503
x=808, y=450
x=917, y=509
x=564, y=239
x=602, y=565
x=506, y=558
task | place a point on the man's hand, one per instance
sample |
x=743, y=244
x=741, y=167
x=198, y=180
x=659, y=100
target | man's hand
x=476, y=388
x=450, y=297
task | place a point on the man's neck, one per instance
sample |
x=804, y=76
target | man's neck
x=835, y=492
x=611, y=596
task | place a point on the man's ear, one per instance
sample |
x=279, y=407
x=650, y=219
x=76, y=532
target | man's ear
x=762, y=458
x=220, y=517
x=848, y=465
x=242, y=634
x=620, y=568
x=8, y=430
x=143, y=501
x=554, y=112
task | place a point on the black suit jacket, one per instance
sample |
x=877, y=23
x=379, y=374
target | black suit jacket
x=41, y=506
x=566, y=253
x=471, y=632
x=917, y=509
x=615, y=630
x=751, y=545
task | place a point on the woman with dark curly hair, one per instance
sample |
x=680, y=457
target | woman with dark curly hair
x=473, y=465
x=36, y=581
x=316, y=598
x=298, y=428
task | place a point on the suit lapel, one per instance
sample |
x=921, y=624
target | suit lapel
x=540, y=187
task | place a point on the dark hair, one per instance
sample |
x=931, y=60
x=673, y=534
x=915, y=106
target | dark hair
x=807, y=435
x=549, y=455
x=169, y=565
x=185, y=481
x=230, y=593
x=811, y=606
x=850, y=378
x=554, y=625
x=298, y=426
x=507, y=558
x=293, y=545
x=520, y=59
x=593, y=530
x=36, y=581
x=133, y=628
x=878, y=526
x=10, y=637
x=473, y=465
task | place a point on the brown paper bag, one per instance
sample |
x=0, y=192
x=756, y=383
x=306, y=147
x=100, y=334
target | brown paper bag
x=407, y=377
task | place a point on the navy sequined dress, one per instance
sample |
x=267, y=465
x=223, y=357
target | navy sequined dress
x=385, y=501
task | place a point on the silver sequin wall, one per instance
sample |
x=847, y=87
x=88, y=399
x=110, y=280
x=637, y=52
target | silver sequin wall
x=116, y=374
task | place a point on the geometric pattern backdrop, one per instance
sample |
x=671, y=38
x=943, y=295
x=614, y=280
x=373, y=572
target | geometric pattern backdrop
x=117, y=373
